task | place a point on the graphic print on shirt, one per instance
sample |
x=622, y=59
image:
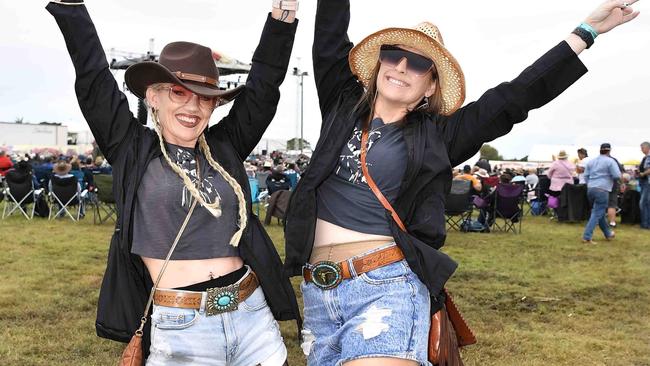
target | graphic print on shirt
x=187, y=162
x=349, y=166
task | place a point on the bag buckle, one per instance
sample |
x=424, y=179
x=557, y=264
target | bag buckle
x=326, y=275
x=222, y=299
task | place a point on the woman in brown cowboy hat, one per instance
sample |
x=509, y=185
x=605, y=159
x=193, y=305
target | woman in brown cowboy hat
x=219, y=294
x=372, y=276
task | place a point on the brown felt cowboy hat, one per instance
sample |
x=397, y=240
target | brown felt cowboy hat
x=62, y=168
x=426, y=38
x=184, y=63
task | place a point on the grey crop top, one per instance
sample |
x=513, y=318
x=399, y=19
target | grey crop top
x=345, y=199
x=162, y=203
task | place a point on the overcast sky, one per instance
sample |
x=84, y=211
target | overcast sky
x=493, y=41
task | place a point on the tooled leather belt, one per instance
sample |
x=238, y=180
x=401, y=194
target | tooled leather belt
x=327, y=275
x=217, y=300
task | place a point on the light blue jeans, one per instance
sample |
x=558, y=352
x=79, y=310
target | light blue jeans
x=247, y=336
x=381, y=313
x=644, y=205
x=598, y=199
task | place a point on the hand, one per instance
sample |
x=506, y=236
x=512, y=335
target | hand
x=611, y=14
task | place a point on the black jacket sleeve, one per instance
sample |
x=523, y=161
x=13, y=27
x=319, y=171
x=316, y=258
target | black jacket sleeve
x=254, y=108
x=496, y=111
x=330, y=51
x=103, y=105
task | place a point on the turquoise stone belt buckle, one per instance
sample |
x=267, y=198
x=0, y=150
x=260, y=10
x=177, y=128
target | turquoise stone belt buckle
x=326, y=275
x=222, y=299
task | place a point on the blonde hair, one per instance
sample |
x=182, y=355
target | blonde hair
x=215, y=207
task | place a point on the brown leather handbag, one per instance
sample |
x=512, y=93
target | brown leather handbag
x=448, y=331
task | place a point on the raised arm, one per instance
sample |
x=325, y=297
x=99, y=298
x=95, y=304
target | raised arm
x=254, y=109
x=498, y=109
x=103, y=105
x=330, y=50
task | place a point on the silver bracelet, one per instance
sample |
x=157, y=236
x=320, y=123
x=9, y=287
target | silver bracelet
x=290, y=5
x=65, y=3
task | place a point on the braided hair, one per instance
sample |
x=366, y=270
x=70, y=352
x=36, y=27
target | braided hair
x=215, y=207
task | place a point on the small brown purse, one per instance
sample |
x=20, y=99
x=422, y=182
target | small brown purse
x=448, y=330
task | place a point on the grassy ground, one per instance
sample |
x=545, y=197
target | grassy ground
x=539, y=298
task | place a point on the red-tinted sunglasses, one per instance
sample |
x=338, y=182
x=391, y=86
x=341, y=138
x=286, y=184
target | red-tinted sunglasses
x=416, y=64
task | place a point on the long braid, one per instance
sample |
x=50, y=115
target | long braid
x=215, y=207
x=243, y=215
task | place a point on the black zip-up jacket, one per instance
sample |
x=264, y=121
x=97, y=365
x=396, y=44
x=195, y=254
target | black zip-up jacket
x=129, y=147
x=435, y=144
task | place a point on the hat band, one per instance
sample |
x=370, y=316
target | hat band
x=197, y=78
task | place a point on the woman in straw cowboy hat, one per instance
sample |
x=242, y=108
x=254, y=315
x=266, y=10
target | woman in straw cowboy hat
x=560, y=172
x=208, y=307
x=372, y=277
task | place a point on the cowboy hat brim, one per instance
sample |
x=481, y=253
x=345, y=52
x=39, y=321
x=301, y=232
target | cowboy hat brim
x=364, y=56
x=139, y=76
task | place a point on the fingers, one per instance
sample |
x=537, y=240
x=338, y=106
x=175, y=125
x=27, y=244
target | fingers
x=621, y=4
x=628, y=17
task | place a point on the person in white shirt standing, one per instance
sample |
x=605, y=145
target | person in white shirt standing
x=581, y=164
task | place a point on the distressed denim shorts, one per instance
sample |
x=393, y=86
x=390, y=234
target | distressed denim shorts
x=381, y=313
x=244, y=337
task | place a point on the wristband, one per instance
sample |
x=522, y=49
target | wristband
x=290, y=5
x=584, y=35
x=589, y=29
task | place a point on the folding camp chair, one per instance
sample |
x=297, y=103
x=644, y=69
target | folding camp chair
x=255, y=193
x=508, y=207
x=65, y=193
x=458, y=204
x=103, y=200
x=18, y=192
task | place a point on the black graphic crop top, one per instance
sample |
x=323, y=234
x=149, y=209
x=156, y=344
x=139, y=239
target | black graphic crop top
x=345, y=199
x=162, y=203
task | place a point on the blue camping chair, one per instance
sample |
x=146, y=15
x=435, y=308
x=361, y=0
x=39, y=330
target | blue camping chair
x=255, y=192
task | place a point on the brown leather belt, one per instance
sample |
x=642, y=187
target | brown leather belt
x=327, y=275
x=218, y=299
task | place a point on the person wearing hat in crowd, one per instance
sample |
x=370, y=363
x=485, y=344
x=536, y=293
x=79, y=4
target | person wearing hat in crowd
x=397, y=95
x=600, y=174
x=561, y=172
x=223, y=289
x=612, y=202
x=644, y=184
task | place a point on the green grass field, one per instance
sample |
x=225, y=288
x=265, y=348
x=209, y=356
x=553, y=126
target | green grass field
x=539, y=298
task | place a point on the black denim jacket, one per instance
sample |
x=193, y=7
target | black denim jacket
x=435, y=144
x=129, y=147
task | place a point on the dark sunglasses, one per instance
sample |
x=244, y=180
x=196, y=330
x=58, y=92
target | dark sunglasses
x=417, y=64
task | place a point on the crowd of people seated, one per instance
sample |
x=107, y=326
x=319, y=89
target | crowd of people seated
x=484, y=179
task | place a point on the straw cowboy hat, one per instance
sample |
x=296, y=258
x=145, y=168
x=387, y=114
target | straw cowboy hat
x=184, y=63
x=562, y=155
x=426, y=38
x=62, y=168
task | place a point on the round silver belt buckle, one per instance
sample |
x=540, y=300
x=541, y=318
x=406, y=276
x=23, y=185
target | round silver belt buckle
x=326, y=275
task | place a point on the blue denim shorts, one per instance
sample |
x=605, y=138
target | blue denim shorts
x=381, y=313
x=243, y=337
